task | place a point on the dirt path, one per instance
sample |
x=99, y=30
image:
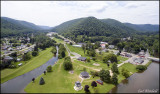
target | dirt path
x=60, y=67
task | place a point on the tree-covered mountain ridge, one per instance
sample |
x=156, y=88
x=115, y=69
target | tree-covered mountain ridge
x=12, y=27
x=91, y=26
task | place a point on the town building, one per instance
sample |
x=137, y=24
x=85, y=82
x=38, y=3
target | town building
x=77, y=86
x=84, y=74
x=100, y=82
x=82, y=58
x=111, y=46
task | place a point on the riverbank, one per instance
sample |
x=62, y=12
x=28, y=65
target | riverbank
x=144, y=82
x=132, y=73
x=35, y=62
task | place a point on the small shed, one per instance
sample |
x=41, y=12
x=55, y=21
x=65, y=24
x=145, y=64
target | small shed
x=77, y=84
x=84, y=74
x=20, y=64
x=100, y=82
x=82, y=58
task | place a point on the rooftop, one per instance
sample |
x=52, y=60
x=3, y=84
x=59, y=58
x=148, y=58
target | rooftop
x=84, y=73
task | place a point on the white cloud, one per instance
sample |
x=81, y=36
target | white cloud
x=52, y=13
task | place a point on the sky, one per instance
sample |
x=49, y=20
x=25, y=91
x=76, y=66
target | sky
x=53, y=13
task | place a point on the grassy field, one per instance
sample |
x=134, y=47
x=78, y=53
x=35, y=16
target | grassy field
x=35, y=62
x=121, y=59
x=58, y=40
x=78, y=50
x=61, y=81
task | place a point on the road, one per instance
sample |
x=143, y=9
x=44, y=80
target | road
x=76, y=55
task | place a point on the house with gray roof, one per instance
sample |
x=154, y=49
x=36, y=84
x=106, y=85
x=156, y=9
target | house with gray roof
x=82, y=58
x=84, y=74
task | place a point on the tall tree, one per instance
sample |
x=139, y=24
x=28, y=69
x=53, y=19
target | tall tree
x=114, y=68
x=114, y=79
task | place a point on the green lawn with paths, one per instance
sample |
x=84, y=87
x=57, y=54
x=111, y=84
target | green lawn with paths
x=61, y=81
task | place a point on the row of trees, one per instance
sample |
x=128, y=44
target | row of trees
x=61, y=51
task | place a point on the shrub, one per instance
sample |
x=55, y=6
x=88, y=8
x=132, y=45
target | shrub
x=141, y=68
x=49, y=68
x=34, y=53
x=86, y=88
x=12, y=65
x=94, y=73
x=114, y=79
x=94, y=58
x=125, y=73
x=41, y=82
x=88, y=59
x=94, y=84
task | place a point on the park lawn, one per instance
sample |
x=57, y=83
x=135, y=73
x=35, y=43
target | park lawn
x=121, y=59
x=58, y=40
x=90, y=64
x=61, y=81
x=130, y=67
x=78, y=50
x=35, y=62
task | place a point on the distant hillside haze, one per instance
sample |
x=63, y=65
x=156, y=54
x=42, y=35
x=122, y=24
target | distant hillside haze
x=25, y=24
x=143, y=27
x=45, y=27
x=118, y=24
x=12, y=27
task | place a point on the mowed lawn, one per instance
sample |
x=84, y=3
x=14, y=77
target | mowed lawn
x=78, y=50
x=61, y=81
x=58, y=40
x=35, y=62
x=121, y=59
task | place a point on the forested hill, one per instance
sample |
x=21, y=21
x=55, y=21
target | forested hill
x=143, y=27
x=23, y=23
x=118, y=24
x=11, y=27
x=91, y=26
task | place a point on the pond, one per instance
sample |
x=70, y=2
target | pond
x=145, y=82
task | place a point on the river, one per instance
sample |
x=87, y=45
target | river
x=17, y=85
x=145, y=82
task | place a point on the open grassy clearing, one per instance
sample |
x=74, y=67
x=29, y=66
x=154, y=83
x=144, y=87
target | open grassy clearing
x=58, y=40
x=35, y=62
x=121, y=59
x=61, y=81
x=78, y=50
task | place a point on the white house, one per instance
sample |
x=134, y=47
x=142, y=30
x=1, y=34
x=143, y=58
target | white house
x=111, y=46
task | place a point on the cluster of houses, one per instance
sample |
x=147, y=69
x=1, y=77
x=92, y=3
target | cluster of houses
x=124, y=39
x=8, y=48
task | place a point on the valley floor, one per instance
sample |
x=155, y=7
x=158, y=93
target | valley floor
x=61, y=81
